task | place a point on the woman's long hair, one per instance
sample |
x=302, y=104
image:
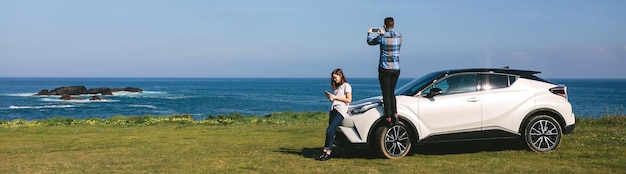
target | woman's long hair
x=335, y=85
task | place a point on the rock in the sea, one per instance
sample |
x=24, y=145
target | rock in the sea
x=101, y=91
x=78, y=90
x=43, y=92
x=68, y=97
x=71, y=90
x=129, y=89
x=95, y=97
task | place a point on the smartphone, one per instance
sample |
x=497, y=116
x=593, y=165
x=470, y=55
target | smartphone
x=327, y=92
x=375, y=30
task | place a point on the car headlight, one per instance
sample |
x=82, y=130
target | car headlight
x=359, y=109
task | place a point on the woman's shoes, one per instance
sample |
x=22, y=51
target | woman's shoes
x=323, y=157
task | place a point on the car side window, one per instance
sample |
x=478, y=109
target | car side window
x=456, y=84
x=512, y=80
x=496, y=81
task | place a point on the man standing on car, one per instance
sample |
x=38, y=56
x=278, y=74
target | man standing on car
x=389, y=66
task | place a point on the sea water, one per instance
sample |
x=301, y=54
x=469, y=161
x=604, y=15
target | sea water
x=203, y=97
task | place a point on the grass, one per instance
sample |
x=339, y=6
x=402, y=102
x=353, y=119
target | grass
x=276, y=143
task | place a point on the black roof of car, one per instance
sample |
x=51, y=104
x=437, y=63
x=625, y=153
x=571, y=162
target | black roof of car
x=527, y=74
x=495, y=70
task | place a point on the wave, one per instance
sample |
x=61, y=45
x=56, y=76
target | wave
x=146, y=94
x=79, y=100
x=21, y=94
x=143, y=106
x=40, y=107
x=151, y=94
x=178, y=97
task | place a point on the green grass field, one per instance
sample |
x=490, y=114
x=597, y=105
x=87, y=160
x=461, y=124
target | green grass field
x=277, y=143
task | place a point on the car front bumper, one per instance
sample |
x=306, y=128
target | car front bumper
x=569, y=129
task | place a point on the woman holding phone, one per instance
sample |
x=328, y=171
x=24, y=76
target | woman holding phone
x=340, y=98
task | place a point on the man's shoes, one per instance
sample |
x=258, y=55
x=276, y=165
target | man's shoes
x=323, y=157
x=394, y=120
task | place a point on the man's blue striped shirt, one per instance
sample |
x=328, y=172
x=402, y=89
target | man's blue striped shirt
x=390, y=43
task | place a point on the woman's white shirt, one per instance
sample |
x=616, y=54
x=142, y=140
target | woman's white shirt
x=340, y=106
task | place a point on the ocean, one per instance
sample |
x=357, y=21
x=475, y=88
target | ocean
x=203, y=97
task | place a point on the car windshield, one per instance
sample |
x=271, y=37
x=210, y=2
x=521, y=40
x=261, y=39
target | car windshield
x=414, y=86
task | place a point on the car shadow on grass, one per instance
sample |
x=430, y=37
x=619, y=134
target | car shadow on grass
x=467, y=147
x=338, y=152
x=423, y=149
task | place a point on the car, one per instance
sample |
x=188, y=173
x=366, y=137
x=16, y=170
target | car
x=463, y=105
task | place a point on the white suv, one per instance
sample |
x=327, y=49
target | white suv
x=463, y=105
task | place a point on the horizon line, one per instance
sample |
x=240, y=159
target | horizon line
x=243, y=77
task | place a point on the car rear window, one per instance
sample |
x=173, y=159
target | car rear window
x=497, y=81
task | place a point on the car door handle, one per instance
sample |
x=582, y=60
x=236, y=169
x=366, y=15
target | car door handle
x=473, y=99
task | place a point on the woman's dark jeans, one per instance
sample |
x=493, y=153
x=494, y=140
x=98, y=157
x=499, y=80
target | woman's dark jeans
x=334, y=119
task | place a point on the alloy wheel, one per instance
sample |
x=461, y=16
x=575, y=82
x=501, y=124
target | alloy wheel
x=543, y=134
x=397, y=141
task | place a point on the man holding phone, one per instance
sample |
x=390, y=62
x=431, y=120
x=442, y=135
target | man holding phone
x=389, y=65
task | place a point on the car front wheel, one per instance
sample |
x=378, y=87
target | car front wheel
x=543, y=133
x=392, y=142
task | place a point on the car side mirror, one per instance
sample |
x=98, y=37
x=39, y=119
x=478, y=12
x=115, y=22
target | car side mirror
x=434, y=92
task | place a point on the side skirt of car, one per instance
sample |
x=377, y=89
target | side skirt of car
x=470, y=136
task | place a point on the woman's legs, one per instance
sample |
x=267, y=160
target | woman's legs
x=334, y=120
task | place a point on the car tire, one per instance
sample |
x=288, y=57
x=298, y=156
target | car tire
x=392, y=142
x=543, y=133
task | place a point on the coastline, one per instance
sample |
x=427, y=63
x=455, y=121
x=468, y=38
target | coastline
x=273, y=118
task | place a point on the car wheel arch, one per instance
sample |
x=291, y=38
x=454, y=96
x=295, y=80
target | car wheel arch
x=381, y=122
x=541, y=111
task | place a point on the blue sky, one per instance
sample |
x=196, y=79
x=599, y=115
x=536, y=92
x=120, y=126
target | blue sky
x=237, y=38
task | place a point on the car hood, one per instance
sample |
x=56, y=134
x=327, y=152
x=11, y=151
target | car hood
x=359, y=103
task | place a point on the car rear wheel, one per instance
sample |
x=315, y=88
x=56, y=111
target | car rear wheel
x=392, y=142
x=543, y=133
